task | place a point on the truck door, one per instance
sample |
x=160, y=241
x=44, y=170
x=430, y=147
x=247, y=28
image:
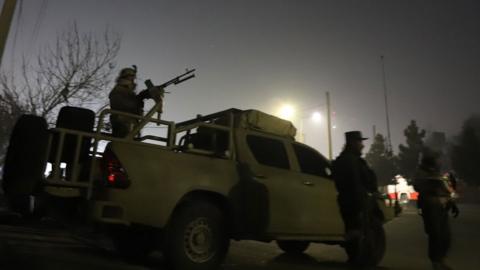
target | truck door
x=269, y=165
x=320, y=213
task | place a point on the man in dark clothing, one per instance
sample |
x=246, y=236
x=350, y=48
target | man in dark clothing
x=354, y=180
x=123, y=98
x=435, y=201
x=355, y=183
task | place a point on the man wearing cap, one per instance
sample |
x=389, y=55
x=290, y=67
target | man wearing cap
x=355, y=183
x=123, y=98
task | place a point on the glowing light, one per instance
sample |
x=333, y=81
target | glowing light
x=111, y=178
x=287, y=112
x=316, y=117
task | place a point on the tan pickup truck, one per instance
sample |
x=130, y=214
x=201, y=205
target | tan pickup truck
x=186, y=188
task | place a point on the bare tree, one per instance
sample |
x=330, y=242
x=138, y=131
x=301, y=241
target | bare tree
x=76, y=69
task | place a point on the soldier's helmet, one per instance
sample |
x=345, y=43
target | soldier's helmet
x=127, y=72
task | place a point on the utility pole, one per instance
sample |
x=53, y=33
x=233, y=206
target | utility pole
x=329, y=127
x=389, y=140
x=6, y=16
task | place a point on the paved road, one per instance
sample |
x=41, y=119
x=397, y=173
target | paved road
x=44, y=247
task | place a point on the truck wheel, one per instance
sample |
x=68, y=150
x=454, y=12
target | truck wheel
x=197, y=237
x=293, y=247
x=25, y=162
x=368, y=249
x=132, y=243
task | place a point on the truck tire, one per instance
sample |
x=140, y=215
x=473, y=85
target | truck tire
x=369, y=249
x=132, y=243
x=293, y=247
x=196, y=237
x=25, y=162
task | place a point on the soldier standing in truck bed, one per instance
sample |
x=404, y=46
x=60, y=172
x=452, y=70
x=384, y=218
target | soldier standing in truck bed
x=123, y=98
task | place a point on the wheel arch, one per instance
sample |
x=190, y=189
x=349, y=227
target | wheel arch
x=215, y=198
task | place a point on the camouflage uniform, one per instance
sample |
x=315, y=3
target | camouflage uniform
x=123, y=98
x=435, y=201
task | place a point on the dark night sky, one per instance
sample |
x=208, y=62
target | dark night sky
x=260, y=54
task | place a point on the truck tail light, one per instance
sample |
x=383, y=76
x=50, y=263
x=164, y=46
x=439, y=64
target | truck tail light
x=113, y=171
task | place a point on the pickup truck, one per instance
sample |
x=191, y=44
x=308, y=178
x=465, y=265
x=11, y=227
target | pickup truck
x=189, y=188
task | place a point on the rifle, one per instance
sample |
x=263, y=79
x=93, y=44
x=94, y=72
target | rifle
x=179, y=79
x=175, y=81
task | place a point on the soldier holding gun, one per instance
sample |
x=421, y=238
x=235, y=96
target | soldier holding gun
x=123, y=98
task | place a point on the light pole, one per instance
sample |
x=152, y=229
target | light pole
x=389, y=140
x=329, y=127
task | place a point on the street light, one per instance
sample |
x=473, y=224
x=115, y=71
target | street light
x=316, y=117
x=287, y=112
x=290, y=113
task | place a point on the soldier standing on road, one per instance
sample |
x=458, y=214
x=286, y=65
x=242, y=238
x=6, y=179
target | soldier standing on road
x=434, y=202
x=123, y=98
x=355, y=183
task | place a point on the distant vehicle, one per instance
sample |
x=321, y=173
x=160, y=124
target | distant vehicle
x=401, y=191
x=235, y=174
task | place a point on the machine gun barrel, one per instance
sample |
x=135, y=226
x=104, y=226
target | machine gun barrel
x=160, y=89
x=179, y=79
x=184, y=79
